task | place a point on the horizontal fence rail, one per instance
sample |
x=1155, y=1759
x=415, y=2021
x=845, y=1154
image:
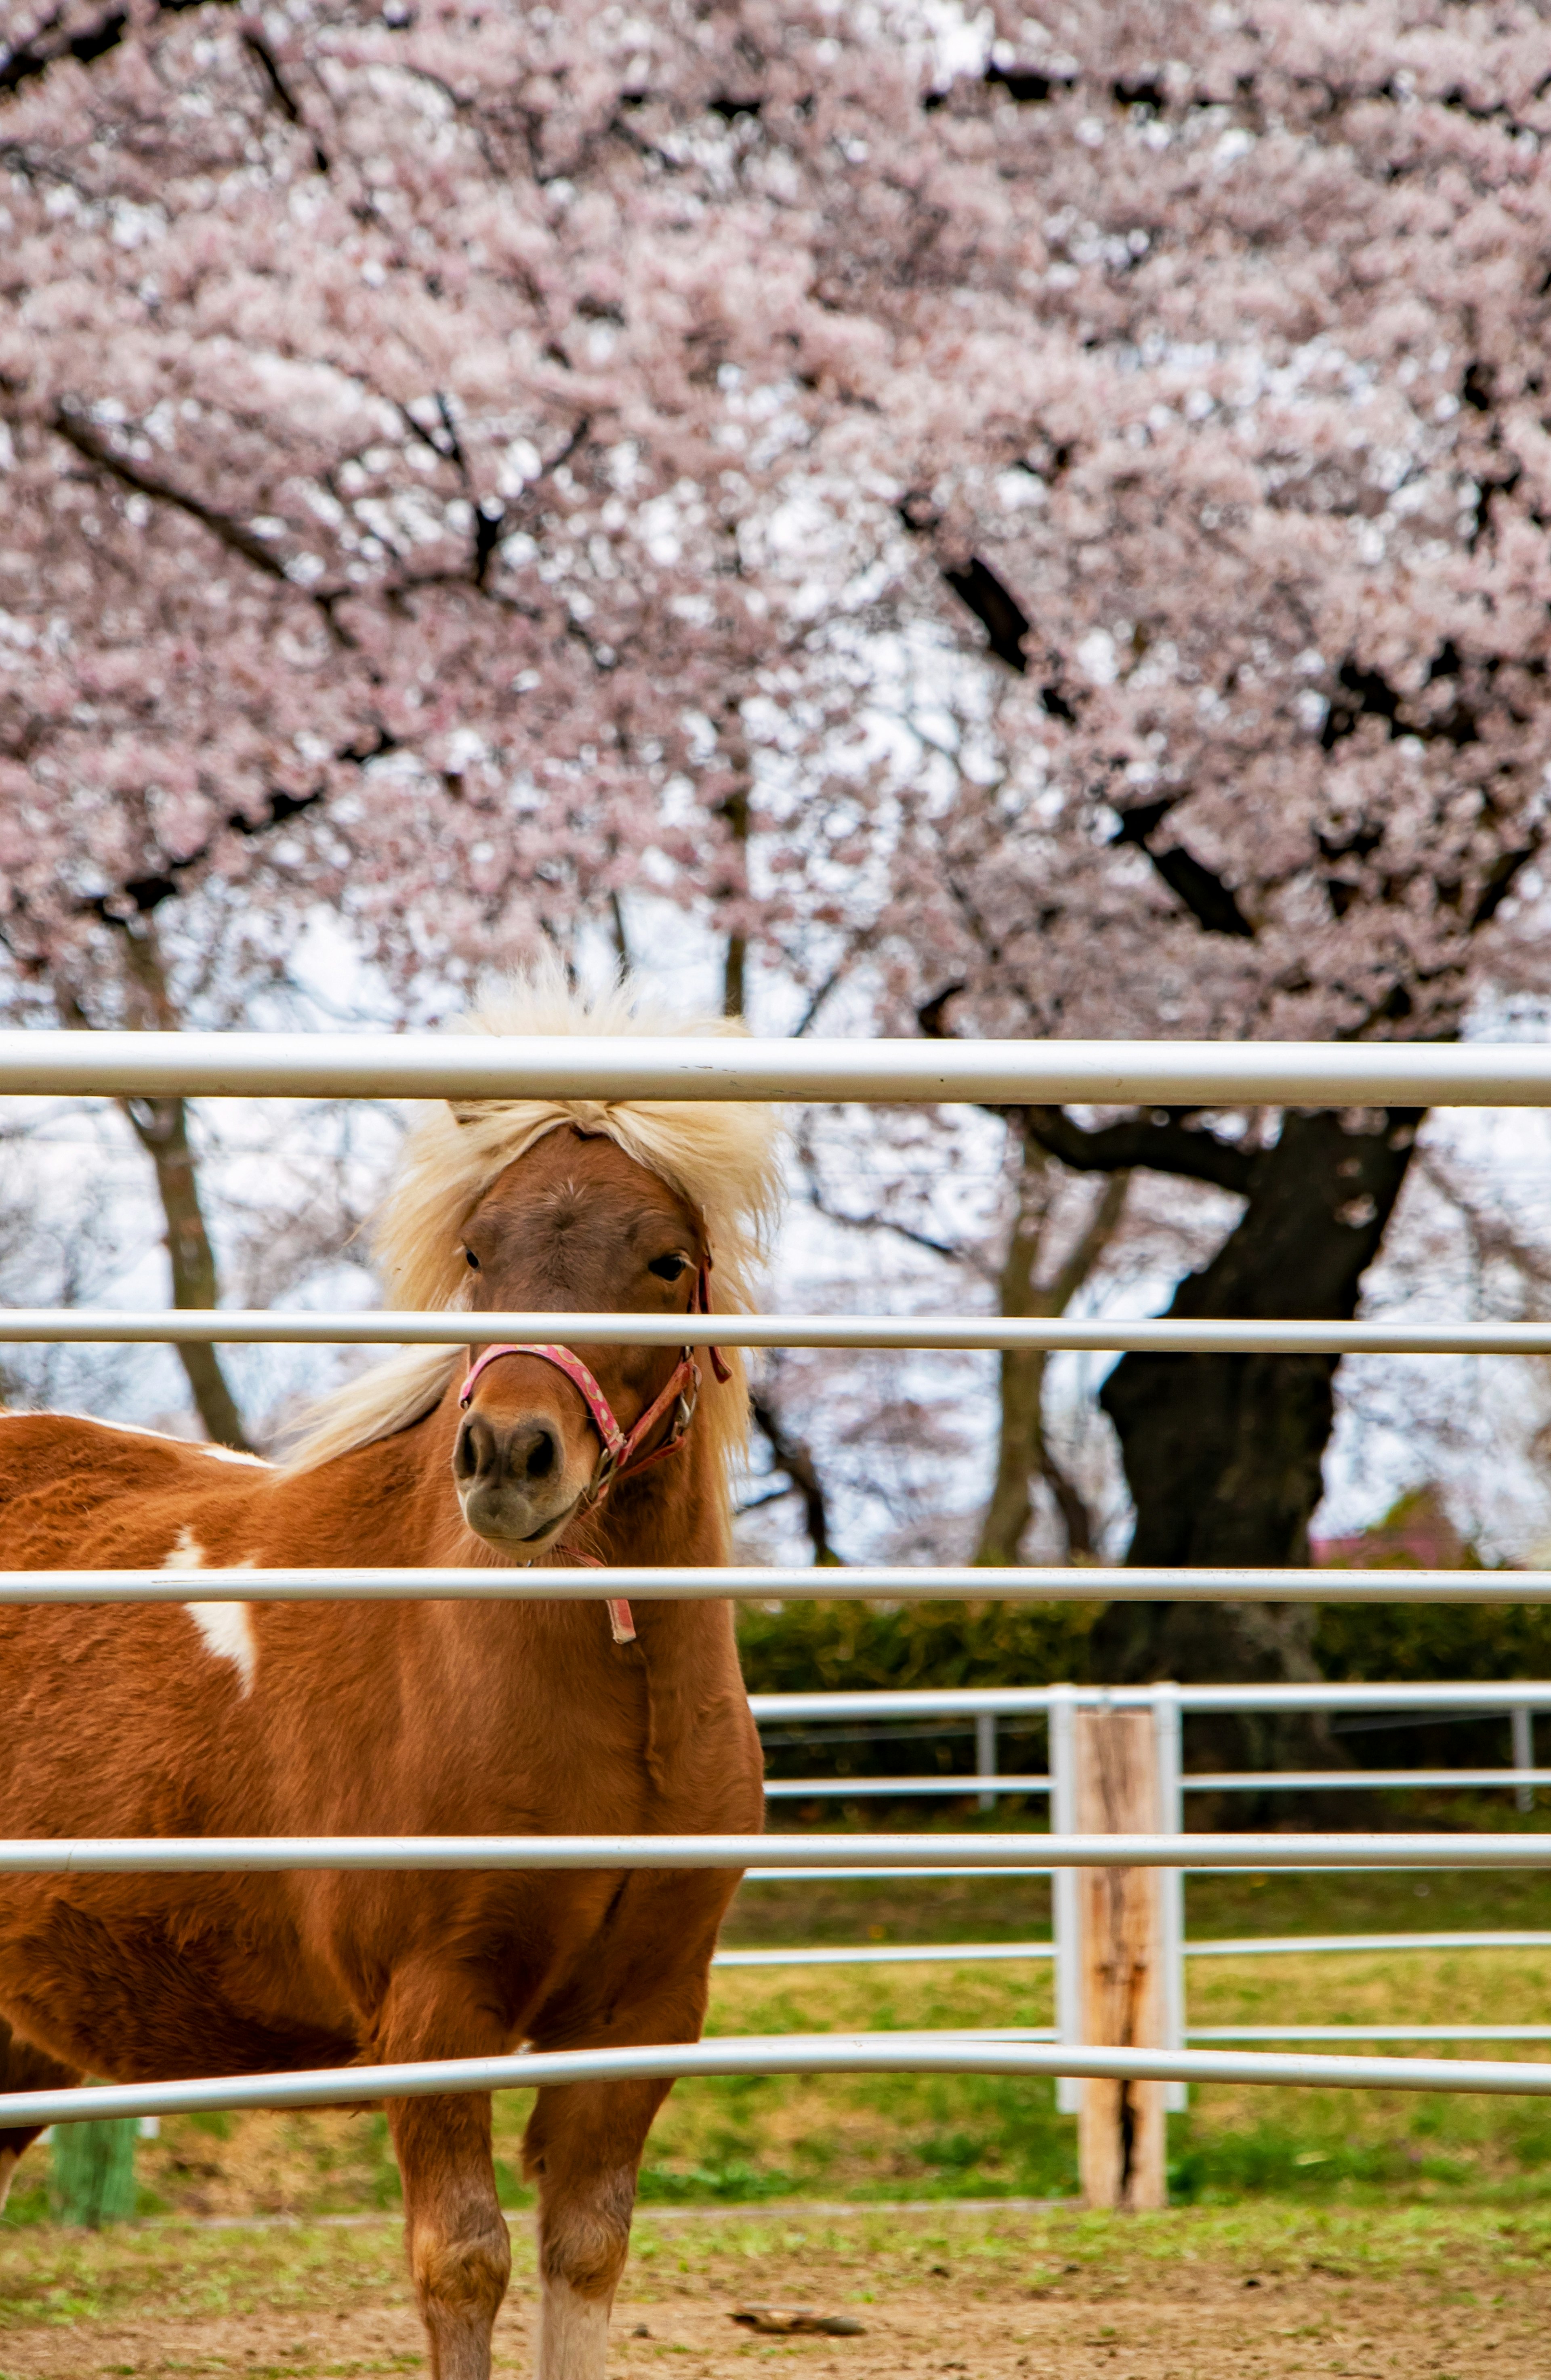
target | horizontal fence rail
x=857, y=1874
x=888, y=1954
x=472, y=1066
x=1103, y=1583
x=1422, y=1699
x=1278, y=1945
x=1350, y=1781
x=203, y=1854
x=1004, y=1782
x=1359, y=2032
x=1109, y=1334
x=884, y=1788
x=1255, y=1946
x=831, y=2053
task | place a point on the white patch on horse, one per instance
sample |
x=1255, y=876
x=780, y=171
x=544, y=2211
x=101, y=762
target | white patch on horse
x=8, y=2163
x=187, y=1553
x=226, y=1628
x=573, y=2333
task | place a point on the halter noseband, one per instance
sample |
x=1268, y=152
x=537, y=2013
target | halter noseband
x=620, y=1456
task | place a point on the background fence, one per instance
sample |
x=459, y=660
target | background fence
x=1114, y=1783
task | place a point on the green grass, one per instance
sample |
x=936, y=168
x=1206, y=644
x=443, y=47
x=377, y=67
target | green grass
x=992, y=1908
x=885, y=2137
x=177, y=2271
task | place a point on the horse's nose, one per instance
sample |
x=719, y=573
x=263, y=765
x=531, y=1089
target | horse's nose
x=489, y=1453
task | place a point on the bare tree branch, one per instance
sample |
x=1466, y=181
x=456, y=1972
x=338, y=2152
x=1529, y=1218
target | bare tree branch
x=71, y=423
x=795, y=1456
x=1162, y=1142
x=257, y=49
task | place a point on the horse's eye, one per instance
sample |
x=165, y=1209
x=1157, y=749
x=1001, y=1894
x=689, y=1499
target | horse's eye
x=472, y=1258
x=668, y=1267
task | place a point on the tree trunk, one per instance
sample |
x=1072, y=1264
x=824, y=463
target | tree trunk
x=734, y=810
x=1223, y=1452
x=1020, y=1412
x=162, y=1128
x=1023, y=1454
x=734, y=971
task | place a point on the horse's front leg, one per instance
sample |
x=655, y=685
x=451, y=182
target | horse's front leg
x=582, y=2148
x=649, y=1982
x=460, y=2252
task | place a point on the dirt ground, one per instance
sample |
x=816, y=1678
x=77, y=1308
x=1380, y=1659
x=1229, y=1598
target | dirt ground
x=1183, y=2316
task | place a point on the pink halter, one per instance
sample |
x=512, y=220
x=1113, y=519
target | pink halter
x=620, y=1456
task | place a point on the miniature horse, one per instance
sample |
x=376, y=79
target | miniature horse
x=430, y=1717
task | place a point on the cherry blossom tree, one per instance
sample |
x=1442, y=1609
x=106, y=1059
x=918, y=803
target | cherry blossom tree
x=1275, y=601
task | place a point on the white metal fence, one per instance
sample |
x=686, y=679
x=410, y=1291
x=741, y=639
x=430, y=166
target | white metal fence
x=1100, y=1074
x=1170, y=1704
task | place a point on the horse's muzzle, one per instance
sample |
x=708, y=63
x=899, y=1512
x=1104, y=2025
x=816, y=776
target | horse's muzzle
x=511, y=1477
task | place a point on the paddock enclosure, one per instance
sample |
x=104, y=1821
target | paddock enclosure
x=1122, y=2047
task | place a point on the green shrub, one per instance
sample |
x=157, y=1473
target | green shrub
x=1433, y=1640
x=814, y=1647
x=818, y=1647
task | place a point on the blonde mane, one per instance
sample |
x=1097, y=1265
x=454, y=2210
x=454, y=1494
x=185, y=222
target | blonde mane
x=722, y=1156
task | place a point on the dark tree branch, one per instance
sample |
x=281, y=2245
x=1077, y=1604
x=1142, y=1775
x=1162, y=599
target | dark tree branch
x=923, y=1240
x=1161, y=1141
x=89, y=442
x=449, y=432
x=1500, y=878
x=1097, y=1234
x=1211, y=903
x=1007, y=626
x=46, y=45
x=576, y=438
x=999, y=612
x=1032, y=86
x=140, y=895
x=429, y=438
x=821, y=991
x=491, y=513
x=77, y=431
x=1363, y=693
x=771, y=1496
x=489, y=522
x=794, y=1457
x=931, y=1015
x=143, y=894
x=1028, y=86
x=280, y=91
x=1006, y=623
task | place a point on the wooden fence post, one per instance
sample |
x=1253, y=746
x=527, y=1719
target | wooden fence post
x=1120, y=2131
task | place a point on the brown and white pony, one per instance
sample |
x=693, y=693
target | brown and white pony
x=436, y=1717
